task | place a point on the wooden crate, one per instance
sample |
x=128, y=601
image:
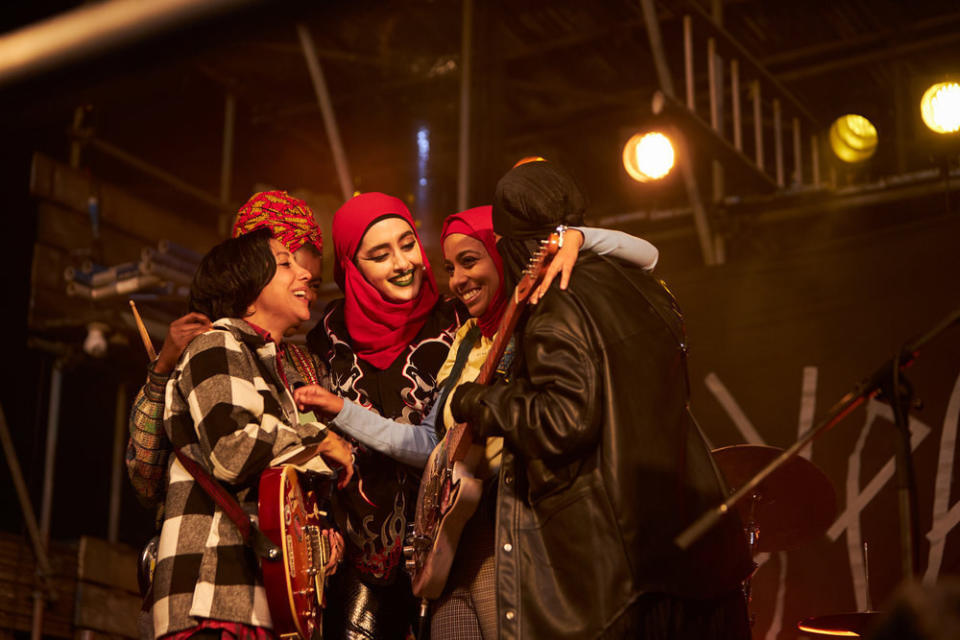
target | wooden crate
x=18, y=582
x=95, y=584
x=108, y=599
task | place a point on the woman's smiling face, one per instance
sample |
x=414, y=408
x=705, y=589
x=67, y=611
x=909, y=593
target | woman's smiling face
x=474, y=279
x=390, y=260
x=311, y=260
x=285, y=301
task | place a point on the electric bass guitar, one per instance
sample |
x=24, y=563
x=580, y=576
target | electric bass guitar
x=291, y=519
x=449, y=489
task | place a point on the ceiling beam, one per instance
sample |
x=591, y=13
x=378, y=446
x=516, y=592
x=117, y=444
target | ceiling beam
x=781, y=207
x=619, y=98
x=570, y=41
x=879, y=54
x=881, y=39
x=394, y=63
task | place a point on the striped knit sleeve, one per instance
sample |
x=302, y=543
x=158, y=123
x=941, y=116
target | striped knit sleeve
x=148, y=447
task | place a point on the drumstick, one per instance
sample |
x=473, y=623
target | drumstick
x=147, y=343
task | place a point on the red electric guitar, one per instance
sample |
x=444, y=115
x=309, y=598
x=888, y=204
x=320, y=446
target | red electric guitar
x=290, y=518
x=449, y=490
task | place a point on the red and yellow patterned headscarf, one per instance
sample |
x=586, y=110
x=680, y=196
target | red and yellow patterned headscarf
x=289, y=219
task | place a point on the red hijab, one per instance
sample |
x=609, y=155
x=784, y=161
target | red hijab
x=478, y=224
x=379, y=328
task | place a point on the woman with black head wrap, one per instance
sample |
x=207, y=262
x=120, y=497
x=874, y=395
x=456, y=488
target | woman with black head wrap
x=530, y=201
x=602, y=464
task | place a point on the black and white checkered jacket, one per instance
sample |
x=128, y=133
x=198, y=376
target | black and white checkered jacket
x=227, y=409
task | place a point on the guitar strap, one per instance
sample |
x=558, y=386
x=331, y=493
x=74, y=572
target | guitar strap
x=252, y=536
x=463, y=353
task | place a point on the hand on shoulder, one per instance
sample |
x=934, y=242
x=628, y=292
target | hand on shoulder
x=181, y=332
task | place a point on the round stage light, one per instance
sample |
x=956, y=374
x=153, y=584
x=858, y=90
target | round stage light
x=940, y=107
x=648, y=156
x=853, y=138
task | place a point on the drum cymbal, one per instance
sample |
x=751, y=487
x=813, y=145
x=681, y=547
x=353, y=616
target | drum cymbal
x=852, y=625
x=792, y=506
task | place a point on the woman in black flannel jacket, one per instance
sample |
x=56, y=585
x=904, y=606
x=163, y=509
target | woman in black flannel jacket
x=229, y=408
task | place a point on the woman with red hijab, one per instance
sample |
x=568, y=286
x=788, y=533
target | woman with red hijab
x=476, y=280
x=384, y=343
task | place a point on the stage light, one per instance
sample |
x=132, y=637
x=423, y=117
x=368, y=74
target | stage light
x=527, y=159
x=853, y=138
x=940, y=107
x=648, y=156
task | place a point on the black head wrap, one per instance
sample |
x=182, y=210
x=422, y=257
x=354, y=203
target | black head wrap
x=530, y=201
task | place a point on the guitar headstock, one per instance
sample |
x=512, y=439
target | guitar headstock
x=537, y=266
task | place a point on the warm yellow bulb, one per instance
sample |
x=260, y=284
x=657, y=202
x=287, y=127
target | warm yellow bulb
x=940, y=107
x=853, y=138
x=648, y=156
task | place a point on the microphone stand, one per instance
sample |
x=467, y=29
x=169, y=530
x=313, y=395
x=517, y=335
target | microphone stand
x=887, y=380
x=899, y=392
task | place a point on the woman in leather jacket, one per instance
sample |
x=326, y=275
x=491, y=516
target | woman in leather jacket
x=602, y=463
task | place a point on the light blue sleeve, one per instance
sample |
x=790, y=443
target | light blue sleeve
x=606, y=242
x=407, y=443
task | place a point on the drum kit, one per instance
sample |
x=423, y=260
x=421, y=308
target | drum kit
x=789, y=508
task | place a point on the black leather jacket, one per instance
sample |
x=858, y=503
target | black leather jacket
x=602, y=463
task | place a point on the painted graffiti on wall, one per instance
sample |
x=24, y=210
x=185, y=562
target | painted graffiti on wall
x=775, y=344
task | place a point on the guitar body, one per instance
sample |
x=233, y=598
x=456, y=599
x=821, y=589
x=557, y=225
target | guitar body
x=447, y=499
x=449, y=489
x=294, y=583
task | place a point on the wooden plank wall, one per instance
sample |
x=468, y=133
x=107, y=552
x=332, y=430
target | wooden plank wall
x=108, y=599
x=17, y=583
x=65, y=236
x=119, y=210
x=95, y=583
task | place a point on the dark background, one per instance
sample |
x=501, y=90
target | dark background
x=833, y=276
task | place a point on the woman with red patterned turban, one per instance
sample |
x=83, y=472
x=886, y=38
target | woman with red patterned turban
x=292, y=223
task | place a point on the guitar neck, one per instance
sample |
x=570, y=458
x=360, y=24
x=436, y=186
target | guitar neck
x=500, y=341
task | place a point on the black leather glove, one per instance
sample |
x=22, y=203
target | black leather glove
x=465, y=406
